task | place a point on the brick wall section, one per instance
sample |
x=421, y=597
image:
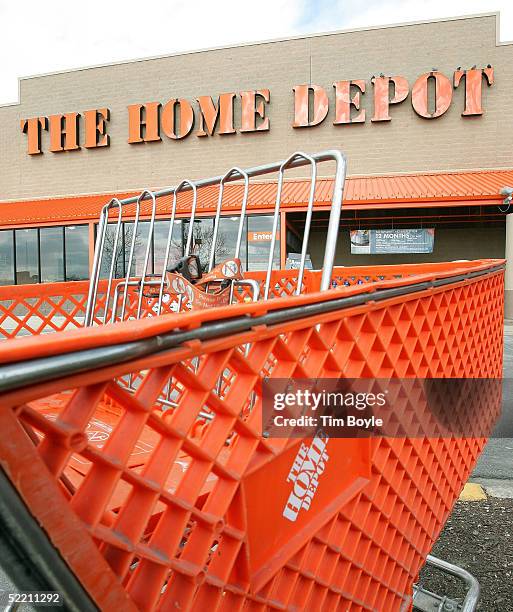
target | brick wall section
x=407, y=143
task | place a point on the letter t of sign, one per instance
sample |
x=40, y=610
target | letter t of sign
x=33, y=127
x=473, y=88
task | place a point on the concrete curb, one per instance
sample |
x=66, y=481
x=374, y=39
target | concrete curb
x=472, y=492
x=495, y=487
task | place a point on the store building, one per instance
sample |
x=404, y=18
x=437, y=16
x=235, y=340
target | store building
x=423, y=112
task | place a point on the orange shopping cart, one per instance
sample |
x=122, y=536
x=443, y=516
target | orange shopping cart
x=136, y=473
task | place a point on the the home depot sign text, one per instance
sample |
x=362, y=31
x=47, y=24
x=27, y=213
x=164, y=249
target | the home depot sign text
x=178, y=118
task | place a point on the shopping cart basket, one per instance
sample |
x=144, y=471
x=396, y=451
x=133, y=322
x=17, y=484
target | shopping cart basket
x=136, y=443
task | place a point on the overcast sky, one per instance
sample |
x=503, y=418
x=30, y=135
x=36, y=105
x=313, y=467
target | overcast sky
x=39, y=37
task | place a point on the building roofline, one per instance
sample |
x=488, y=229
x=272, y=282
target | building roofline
x=495, y=14
x=131, y=191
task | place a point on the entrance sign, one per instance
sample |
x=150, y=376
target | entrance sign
x=378, y=241
x=261, y=236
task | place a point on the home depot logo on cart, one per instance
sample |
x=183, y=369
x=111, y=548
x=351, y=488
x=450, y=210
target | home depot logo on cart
x=308, y=466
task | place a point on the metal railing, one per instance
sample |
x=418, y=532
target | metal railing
x=426, y=601
x=146, y=280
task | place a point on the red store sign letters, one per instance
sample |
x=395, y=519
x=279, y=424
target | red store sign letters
x=431, y=96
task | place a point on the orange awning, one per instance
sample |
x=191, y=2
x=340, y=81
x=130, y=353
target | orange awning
x=439, y=189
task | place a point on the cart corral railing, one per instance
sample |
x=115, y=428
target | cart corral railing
x=28, y=310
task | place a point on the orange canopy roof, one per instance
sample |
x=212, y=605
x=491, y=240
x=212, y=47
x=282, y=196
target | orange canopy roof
x=368, y=192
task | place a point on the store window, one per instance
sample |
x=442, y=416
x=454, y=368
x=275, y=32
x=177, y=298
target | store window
x=51, y=244
x=254, y=251
x=113, y=240
x=201, y=239
x=46, y=254
x=6, y=257
x=157, y=250
x=259, y=242
x=27, y=256
x=77, y=252
x=227, y=240
x=160, y=237
x=140, y=246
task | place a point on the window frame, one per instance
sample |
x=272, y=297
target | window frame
x=66, y=279
x=38, y=256
x=61, y=227
x=13, y=258
x=38, y=229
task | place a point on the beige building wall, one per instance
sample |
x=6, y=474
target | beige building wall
x=407, y=143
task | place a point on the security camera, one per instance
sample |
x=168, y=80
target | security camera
x=508, y=193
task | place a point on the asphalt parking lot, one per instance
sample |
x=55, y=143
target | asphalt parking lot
x=478, y=537
x=479, y=534
x=496, y=462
